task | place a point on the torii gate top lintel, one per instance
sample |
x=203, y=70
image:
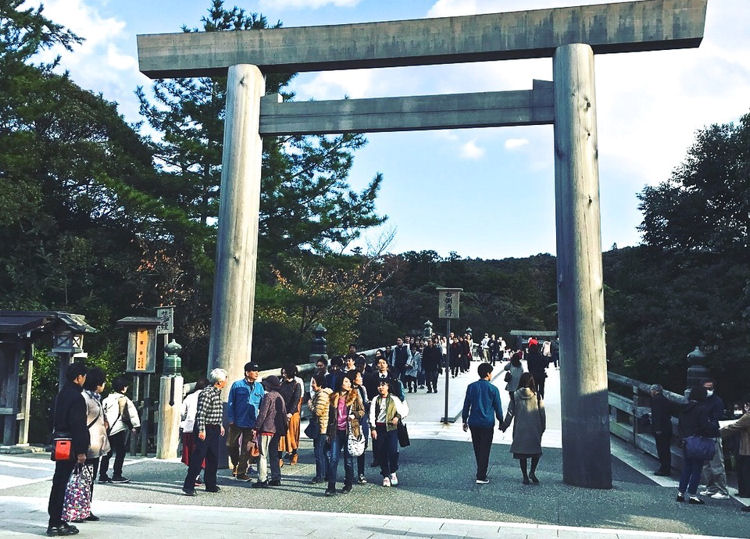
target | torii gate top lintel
x=620, y=27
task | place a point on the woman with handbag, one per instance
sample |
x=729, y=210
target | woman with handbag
x=345, y=411
x=526, y=410
x=697, y=445
x=318, y=404
x=386, y=411
x=97, y=425
x=357, y=383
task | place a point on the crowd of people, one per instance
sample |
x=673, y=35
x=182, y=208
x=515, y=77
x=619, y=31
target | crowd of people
x=354, y=403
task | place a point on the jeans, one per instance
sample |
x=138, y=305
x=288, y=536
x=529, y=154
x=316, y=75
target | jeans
x=117, y=442
x=269, y=453
x=321, y=459
x=691, y=475
x=63, y=469
x=338, y=442
x=239, y=455
x=387, y=450
x=481, y=438
x=204, y=449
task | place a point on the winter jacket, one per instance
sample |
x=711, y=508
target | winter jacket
x=271, y=414
x=98, y=440
x=515, y=376
x=393, y=407
x=243, y=403
x=661, y=417
x=695, y=420
x=742, y=425
x=70, y=416
x=292, y=393
x=526, y=410
x=482, y=404
x=321, y=399
x=354, y=407
x=114, y=410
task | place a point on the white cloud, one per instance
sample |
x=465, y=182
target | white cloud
x=515, y=143
x=305, y=4
x=355, y=83
x=470, y=150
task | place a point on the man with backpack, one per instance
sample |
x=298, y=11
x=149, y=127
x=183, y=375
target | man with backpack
x=122, y=419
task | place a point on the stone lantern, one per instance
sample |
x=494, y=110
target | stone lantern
x=427, y=333
x=697, y=371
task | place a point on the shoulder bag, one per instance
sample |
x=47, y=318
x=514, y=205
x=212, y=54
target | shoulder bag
x=355, y=445
x=699, y=447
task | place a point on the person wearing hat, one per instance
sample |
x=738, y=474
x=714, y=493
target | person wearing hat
x=270, y=424
x=242, y=408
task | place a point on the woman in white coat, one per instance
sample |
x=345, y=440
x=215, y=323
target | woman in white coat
x=97, y=424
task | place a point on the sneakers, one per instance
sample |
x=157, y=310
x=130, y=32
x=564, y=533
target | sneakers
x=720, y=496
x=394, y=480
x=198, y=481
x=120, y=479
x=482, y=481
x=274, y=483
x=706, y=492
x=695, y=500
x=260, y=484
x=361, y=479
x=61, y=529
x=680, y=497
x=386, y=481
x=91, y=518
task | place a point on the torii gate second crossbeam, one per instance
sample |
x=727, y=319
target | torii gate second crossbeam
x=569, y=35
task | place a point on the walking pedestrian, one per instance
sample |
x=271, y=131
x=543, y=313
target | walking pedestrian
x=526, y=411
x=481, y=406
x=69, y=417
x=345, y=412
x=209, y=427
x=385, y=413
x=242, y=409
x=714, y=474
x=514, y=368
x=269, y=426
x=122, y=418
x=661, y=423
x=319, y=407
x=97, y=425
x=187, y=423
x=694, y=421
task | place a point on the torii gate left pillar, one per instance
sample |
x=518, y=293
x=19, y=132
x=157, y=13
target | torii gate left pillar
x=237, y=242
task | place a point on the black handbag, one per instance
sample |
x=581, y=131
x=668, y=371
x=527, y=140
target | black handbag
x=403, y=434
x=312, y=430
x=508, y=377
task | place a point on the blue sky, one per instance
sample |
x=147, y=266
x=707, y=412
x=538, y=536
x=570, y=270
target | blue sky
x=485, y=193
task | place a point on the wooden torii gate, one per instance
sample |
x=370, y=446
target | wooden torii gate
x=570, y=36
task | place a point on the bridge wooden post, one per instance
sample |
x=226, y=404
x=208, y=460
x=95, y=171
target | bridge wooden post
x=580, y=292
x=237, y=242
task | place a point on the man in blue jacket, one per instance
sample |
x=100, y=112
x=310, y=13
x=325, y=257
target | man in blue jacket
x=481, y=407
x=242, y=409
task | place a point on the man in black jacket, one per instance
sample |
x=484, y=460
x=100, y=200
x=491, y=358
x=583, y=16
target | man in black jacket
x=70, y=418
x=661, y=422
x=431, y=357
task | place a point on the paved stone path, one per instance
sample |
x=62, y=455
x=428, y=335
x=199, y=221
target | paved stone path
x=437, y=496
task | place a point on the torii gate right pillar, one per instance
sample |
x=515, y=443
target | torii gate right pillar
x=580, y=291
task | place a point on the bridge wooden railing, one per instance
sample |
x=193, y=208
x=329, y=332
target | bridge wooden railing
x=630, y=408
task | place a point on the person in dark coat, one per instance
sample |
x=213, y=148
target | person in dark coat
x=661, y=423
x=694, y=421
x=431, y=363
x=537, y=365
x=269, y=425
x=70, y=418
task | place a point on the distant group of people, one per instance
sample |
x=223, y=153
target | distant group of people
x=701, y=437
x=97, y=429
